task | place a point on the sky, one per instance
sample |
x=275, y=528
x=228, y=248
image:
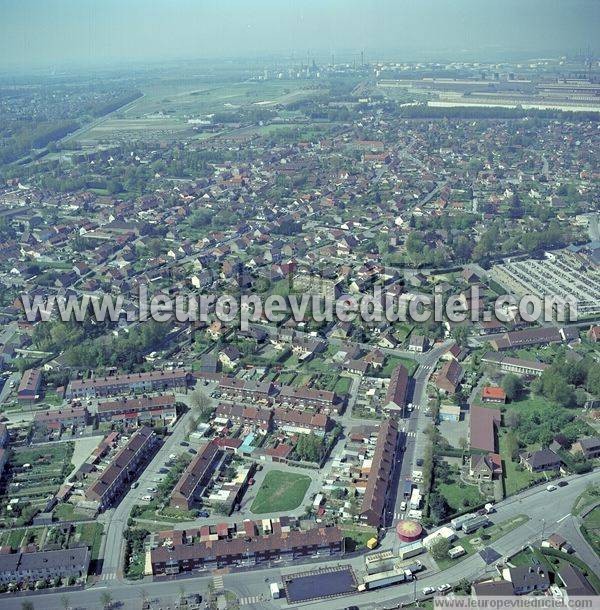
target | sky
x=38, y=33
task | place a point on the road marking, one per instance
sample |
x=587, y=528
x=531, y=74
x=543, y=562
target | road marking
x=254, y=599
x=563, y=518
x=218, y=583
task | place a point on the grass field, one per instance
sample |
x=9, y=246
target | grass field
x=515, y=478
x=357, y=536
x=393, y=361
x=280, y=491
x=591, y=529
x=588, y=497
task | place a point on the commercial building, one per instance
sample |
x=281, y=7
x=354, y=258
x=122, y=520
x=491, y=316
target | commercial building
x=514, y=365
x=483, y=425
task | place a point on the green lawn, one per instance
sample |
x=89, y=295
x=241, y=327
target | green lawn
x=456, y=492
x=589, y=496
x=280, y=491
x=393, y=361
x=591, y=529
x=91, y=534
x=342, y=387
x=514, y=478
x=357, y=537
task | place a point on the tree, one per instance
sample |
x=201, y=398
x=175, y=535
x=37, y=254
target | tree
x=106, y=598
x=463, y=443
x=512, y=445
x=512, y=385
x=439, y=549
x=438, y=507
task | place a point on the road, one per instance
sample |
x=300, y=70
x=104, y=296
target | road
x=415, y=424
x=116, y=518
x=251, y=584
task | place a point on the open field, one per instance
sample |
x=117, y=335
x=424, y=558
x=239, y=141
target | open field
x=166, y=107
x=280, y=491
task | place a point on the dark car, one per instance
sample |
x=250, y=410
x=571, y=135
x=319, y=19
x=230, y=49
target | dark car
x=192, y=450
x=203, y=513
x=184, y=444
x=163, y=470
x=420, y=462
x=562, y=483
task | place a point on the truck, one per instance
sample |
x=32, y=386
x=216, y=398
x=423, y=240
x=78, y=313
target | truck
x=474, y=524
x=457, y=522
x=379, y=562
x=415, y=499
x=274, y=590
x=384, y=579
x=407, y=489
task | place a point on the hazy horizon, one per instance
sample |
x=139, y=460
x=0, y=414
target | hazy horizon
x=57, y=33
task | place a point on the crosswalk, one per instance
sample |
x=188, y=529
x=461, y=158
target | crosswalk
x=246, y=601
x=218, y=583
x=398, y=516
x=410, y=434
x=108, y=576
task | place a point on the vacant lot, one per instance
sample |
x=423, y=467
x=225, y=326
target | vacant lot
x=280, y=491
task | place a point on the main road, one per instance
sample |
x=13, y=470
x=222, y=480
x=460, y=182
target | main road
x=252, y=584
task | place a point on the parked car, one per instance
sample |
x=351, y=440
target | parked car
x=428, y=590
x=403, y=505
x=562, y=483
x=184, y=444
x=203, y=513
x=444, y=588
x=192, y=450
x=550, y=487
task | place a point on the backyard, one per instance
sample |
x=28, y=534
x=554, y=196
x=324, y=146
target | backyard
x=280, y=491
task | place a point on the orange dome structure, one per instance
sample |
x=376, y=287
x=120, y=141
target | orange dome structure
x=408, y=530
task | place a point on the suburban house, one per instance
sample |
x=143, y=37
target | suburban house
x=449, y=377
x=493, y=394
x=29, y=388
x=589, y=447
x=538, y=461
x=485, y=467
x=527, y=579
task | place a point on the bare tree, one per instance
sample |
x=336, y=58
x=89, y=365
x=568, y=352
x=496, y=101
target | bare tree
x=106, y=598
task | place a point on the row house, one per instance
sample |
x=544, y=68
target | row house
x=58, y=419
x=44, y=565
x=123, y=467
x=146, y=408
x=196, y=477
x=253, y=550
x=307, y=397
x=300, y=422
x=151, y=381
x=381, y=475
